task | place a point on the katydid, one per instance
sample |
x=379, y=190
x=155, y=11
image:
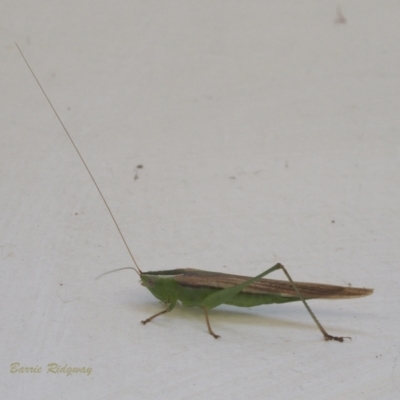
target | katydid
x=207, y=290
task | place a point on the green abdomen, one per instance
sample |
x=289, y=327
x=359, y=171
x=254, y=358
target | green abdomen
x=252, y=299
x=191, y=297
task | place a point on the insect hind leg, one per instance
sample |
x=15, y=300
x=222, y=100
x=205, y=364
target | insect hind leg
x=327, y=336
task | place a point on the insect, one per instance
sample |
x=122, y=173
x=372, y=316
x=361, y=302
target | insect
x=207, y=290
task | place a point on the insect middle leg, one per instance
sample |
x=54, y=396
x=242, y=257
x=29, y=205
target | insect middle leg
x=210, y=331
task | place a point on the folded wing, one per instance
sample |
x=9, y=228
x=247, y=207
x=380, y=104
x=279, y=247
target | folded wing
x=200, y=278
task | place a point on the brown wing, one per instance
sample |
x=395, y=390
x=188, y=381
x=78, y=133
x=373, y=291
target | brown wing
x=199, y=278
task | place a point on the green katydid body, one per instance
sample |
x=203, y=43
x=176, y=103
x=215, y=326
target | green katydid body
x=207, y=290
x=193, y=286
x=181, y=286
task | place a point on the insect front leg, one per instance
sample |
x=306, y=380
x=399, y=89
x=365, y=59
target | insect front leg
x=168, y=309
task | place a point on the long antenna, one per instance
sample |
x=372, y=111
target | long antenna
x=80, y=156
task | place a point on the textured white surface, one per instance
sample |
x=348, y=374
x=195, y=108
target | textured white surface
x=267, y=133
